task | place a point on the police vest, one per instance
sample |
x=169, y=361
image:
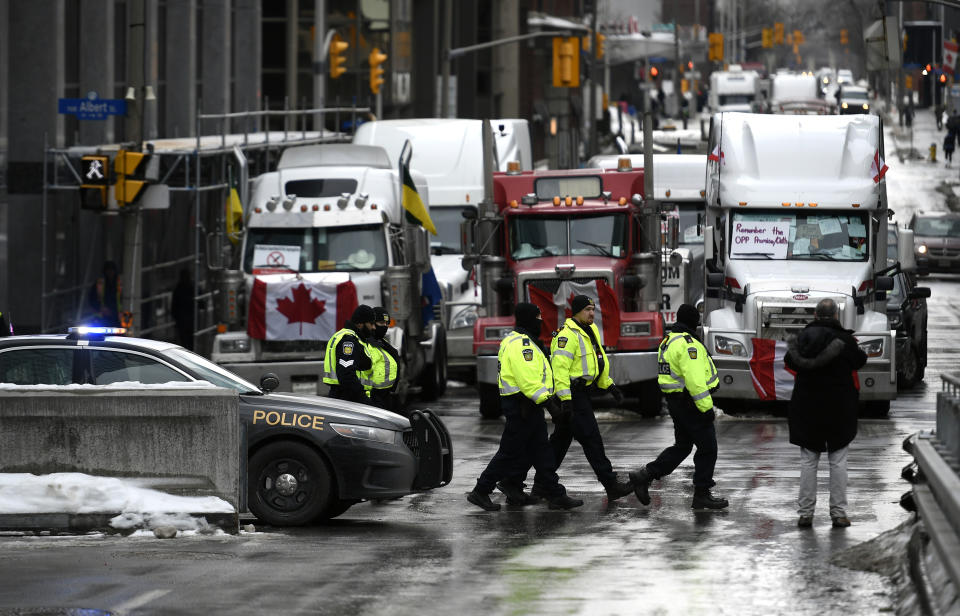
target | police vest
x=683, y=363
x=330, y=356
x=573, y=356
x=523, y=368
x=383, y=371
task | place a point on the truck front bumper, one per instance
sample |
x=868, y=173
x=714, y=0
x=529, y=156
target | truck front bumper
x=625, y=368
x=460, y=348
x=736, y=380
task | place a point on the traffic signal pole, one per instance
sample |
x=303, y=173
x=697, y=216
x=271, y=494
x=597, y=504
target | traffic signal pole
x=132, y=216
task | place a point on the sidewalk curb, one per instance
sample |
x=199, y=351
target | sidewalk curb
x=82, y=523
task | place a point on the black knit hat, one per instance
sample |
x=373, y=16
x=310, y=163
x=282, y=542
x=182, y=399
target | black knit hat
x=381, y=316
x=526, y=317
x=580, y=302
x=363, y=314
x=688, y=315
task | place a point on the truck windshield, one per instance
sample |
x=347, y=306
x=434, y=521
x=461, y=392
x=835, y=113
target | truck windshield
x=547, y=236
x=447, y=220
x=276, y=250
x=735, y=99
x=691, y=225
x=799, y=236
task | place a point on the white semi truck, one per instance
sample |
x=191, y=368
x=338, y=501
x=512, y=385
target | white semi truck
x=796, y=212
x=735, y=90
x=449, y=155
x=331, y=219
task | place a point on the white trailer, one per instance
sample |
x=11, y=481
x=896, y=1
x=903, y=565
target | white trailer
x=735, y=90
x=796, y=212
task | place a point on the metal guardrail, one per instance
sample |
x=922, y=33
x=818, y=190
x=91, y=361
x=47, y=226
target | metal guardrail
x=936, y=485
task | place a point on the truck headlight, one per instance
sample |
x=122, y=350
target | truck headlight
x=729, y=346
x=634, y=329
x=496, y=333
x=873, y=348
x=366, y=433
x=466, y=317
x=235, y=345
x=922, y=249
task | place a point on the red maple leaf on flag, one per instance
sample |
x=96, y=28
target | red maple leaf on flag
x=567, y=312
x=301, y=309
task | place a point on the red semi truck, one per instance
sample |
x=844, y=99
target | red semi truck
x=551, y=235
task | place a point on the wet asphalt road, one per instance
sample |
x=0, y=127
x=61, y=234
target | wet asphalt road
x=435, y=553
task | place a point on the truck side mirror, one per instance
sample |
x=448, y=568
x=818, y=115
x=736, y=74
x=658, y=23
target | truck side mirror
x=715, y=280
x=884, y=283
x=919, y=293
x=907, y=258
x=468, y=263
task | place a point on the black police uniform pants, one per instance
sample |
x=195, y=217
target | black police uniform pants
x=582, y=425
x=523, y=443
x=342, y=393
x=691, y=428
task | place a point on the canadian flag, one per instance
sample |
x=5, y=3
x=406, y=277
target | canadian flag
x=949, y=56
x=716, y=154
x=771, y=378
x=292, y=309
x=555, y=309
x=877, y=168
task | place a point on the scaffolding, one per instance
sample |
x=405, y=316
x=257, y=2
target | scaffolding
x=199, y=173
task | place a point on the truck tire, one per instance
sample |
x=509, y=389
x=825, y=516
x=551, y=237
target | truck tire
x=876, y=408
x=289, y=484
x=434, y=379
x=912, y=372
x=489, y=401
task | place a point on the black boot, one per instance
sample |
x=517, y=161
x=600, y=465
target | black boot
x=516, y=495
x=641, y=485
x=564, y=502
x=618, y=489
x=702, y=499
x=483, y=501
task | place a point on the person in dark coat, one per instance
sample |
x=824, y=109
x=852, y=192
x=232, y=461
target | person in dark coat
x=181, y=308
x=948, y=146
x=823, y=408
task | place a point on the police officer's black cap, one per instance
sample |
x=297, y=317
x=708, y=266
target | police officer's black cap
x=363, y=314
x=526, y=311
x=688, y=315
x=381, y=316
x=580, y=302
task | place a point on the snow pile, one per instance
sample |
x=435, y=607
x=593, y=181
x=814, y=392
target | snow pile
x=118, y=386
x=24, y=493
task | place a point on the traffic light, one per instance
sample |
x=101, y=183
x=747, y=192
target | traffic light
x=798, y=38
x=844, y=40
x=778, y=33
x=654, y=73
x=376, y=58
x=131, y=170
x=94, y=182
x=566, y=62
x=943, y=78
x=715, y=50
x=768, y=38
x=338, y=47
x=600, y=39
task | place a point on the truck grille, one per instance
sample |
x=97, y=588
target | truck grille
x=552, y=285
x=293, y=346
x=780, y=322
x=944, y=251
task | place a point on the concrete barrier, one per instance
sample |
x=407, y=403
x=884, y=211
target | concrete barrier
x=180, y=441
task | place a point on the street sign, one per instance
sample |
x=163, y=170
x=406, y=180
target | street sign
x=92, y=107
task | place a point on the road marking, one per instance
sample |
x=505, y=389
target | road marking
x=140, y=601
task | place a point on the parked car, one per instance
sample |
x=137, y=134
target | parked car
x=936, y=240
x=907, y=313
x=330, y=455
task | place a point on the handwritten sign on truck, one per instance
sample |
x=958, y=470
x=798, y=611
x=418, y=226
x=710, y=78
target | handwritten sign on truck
x=760, y=238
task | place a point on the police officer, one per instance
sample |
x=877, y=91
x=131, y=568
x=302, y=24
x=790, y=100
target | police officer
x=380, y=381
x=346, y=357
x=526, y=382
x=580, y=367
x=687, y=378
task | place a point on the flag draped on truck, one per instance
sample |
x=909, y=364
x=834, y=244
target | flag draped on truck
x=772, y=380
x=555, y=308
x=299, y=309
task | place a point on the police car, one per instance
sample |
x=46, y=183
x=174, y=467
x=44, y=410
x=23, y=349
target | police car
x=308, y=458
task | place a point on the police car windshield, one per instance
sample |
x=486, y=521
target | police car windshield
x=552, y=236
x=311, y=249
x=206, y=370
x=799, y=236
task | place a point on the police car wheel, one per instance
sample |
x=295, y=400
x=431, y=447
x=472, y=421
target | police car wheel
x=289, y=484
